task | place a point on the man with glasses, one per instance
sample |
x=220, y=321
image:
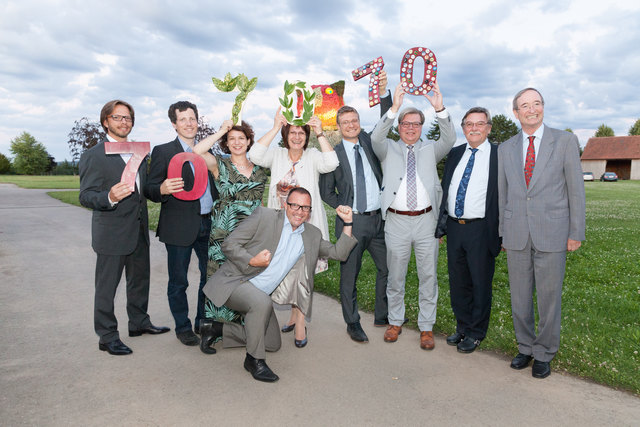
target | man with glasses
x=119, y=232
x=469, y=218
x=411, y=195
x=356, y=183
x=261, y=252
x=184, y=225
x=542, y=216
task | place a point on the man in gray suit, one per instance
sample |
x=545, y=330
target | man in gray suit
x=260, y=253
x=542, y=216
x=119, y=231
x=411, y=195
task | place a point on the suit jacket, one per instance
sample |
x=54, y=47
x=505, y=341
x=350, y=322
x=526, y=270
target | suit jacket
x=262, y=230
x=492, y=238
x=114, y=229
x=392, y=155
x=552, y=209
x=336, y=188
x=179, y=222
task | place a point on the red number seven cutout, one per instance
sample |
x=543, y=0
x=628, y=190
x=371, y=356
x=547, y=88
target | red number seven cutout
x=200, y=176
x=139, y=151
x=430, y=71
x=372, y=67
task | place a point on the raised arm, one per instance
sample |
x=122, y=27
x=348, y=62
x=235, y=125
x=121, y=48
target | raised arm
x=259, y=153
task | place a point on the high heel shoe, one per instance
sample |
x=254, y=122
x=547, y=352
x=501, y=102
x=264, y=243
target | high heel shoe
x=288, y=328
x=301, y=343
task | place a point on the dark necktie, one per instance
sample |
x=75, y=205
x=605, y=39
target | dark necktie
x=464, y=182
x=412, y=193
x=361, y=188
x=530, y=161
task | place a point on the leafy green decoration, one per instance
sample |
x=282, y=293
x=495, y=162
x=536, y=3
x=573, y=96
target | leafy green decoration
x=244, y=86
x=286, y=101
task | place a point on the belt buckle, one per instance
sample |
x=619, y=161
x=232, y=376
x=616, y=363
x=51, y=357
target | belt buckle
x=462, y=221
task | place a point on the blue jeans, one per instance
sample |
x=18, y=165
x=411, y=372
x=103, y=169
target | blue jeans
x=178, y=258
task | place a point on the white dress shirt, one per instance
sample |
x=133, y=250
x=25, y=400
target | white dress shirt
x=476, y=196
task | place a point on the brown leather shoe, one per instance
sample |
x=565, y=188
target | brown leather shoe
x=426, y=340
x=392, y=332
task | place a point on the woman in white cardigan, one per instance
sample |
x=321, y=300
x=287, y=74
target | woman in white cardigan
x=295, y=165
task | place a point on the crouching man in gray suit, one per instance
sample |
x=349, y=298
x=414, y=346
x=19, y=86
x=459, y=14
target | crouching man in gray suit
x=260, y=253
x=542, y=216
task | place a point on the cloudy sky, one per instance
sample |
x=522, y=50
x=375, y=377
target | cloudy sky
x=62, y=60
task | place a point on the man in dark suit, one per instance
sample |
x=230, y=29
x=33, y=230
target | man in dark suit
x=184, y=225
x=119, y=231
x=542, y=216
x=356, y=183
x=469, y=218
x=260, y=253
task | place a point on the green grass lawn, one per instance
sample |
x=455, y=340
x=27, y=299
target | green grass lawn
x=42, y=181
x=601, y=298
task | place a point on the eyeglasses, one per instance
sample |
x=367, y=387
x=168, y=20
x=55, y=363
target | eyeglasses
x=297, y=207
x=349, y=122
x=410, y=124
x=470, y=125
x=536, y=105
x=118, y=118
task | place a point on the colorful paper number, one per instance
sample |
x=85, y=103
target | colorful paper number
x=430, y=71
x=372, y=67
x=200, y=175
x=139, y=151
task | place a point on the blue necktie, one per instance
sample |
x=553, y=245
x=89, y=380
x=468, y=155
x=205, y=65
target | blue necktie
x=361, y=188
x=464, y=182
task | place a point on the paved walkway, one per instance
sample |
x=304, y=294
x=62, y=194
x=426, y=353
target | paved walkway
x=51, y=372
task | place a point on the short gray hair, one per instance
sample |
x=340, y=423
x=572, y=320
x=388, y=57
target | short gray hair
x=519, y=94
x=411, y=110
x=481, y=110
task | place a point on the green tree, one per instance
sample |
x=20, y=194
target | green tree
x=635, y=129
x=5, y=164
x=84, y=135
x=603, y=130
x=502, y=128
x=30, y=156
x=568, y=130
x=434, y=131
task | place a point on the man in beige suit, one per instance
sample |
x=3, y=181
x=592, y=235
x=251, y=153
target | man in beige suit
x=542, y=216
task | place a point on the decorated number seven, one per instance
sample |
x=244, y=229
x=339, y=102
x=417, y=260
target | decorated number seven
x=372, y=67
x=430, y=71
x=139, y=151
x=243, y=84
x=199, y=174
x=291, y=91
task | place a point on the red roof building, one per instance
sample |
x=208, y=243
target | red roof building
x=619, y=154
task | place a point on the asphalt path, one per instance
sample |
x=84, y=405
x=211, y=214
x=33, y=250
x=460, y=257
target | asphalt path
x=52, y=373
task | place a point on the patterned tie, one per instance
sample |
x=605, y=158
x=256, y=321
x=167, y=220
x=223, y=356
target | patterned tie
x=412, y=193
x=464, y=182
x=530, y=161
x=361, y=188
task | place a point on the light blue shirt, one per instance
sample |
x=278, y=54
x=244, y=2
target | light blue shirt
x=206, y=201
x=290, y=248
x=370, y=181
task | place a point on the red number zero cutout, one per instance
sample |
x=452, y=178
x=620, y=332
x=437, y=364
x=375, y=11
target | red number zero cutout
x=200, y=176
x=139, y=151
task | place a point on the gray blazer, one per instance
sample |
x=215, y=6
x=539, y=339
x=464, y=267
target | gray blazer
x=552, y=209
x=262, y=230
x=392, y=155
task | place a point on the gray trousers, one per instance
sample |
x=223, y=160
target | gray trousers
x=529, y=270
x=260, y=331
x=401, y=234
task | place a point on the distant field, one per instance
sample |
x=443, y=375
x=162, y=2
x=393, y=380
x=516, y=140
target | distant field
x=42, y=181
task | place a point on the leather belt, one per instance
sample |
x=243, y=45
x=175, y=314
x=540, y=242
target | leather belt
x=205, y=216
x=464, y=221
x=376, y=212
x=410, y=213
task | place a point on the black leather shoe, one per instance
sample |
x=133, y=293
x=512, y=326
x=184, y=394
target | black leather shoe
x=288, y=328
x=356, y=333
x=188, y=338
x=153, y=330
x=211, y=332
x=521, y=361
x=468, y=345
x=117, y=348
x=455, y=338
x=259, y=369
x=540, y=369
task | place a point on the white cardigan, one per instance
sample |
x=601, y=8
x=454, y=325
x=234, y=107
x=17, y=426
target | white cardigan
x=308, y=170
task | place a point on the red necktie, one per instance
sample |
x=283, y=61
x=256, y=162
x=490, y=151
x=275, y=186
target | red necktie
x=530, y=161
